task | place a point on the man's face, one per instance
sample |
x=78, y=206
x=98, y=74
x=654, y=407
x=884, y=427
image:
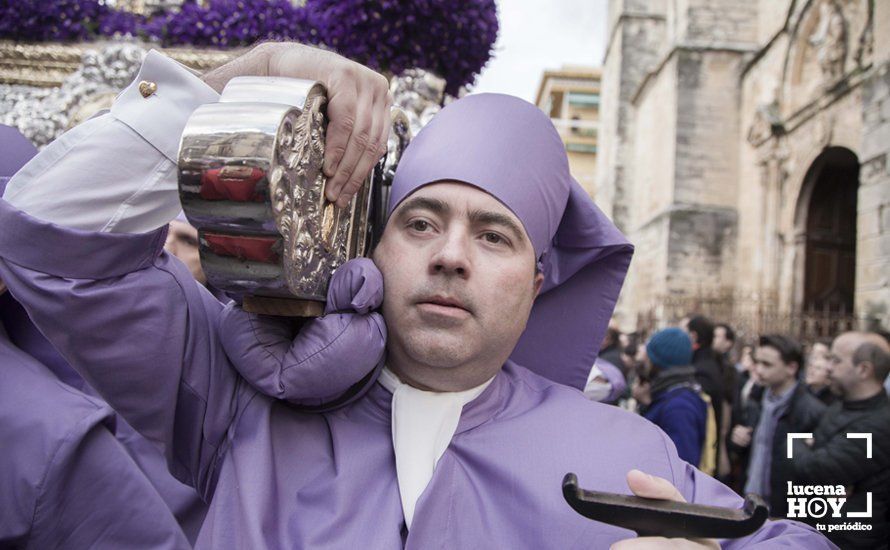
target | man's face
x=817, y=366
x=182, y=242
x=721, y=343
x=841, y=371
x=459, y=279
x=772, y=372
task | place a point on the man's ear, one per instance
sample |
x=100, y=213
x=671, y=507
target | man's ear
x=539, y=282
x=866, y=369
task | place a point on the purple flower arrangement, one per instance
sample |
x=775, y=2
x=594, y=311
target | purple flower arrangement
x=453, y=38
x=40, y=21
x=229, y=23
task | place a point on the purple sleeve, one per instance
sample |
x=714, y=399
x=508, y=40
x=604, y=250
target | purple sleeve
x=94, y=496
x=135, y=324
x=65, y=481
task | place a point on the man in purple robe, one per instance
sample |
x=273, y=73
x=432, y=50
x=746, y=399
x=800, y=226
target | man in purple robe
x=498, y=270
x=65, y=457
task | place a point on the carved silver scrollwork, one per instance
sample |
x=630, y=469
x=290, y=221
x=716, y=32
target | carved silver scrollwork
x=251, y=181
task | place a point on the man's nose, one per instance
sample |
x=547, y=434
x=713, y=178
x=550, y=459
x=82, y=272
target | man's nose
x=453, y=255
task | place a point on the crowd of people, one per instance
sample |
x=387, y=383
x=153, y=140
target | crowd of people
x=729, y=406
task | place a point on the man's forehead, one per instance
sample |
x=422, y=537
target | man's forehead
x=460, y=199
x=844, y=343
x=458, y=195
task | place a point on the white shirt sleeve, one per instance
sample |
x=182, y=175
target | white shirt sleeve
x=117, y=172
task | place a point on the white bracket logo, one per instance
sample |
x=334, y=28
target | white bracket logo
x=868, y=454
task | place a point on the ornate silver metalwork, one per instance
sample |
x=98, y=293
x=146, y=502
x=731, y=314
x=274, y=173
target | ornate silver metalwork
x=420, y=94
x=250, y=181
x=46, y=89
x=42, y=114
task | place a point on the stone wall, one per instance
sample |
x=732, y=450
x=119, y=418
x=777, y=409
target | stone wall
x=709, y=23
x=873, y=228
x=633, y=50
x=771, y=18
x=654, y=149
x=707, y=127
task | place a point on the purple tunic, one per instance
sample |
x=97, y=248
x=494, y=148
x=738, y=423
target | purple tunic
x=65, y=481
x=282, y=478
x=187, y=508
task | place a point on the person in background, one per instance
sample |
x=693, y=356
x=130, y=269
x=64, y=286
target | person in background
x=724, y=340
x=717, y=379
x=786, y=407
x=745, y=411
x=182, y=242
x=858, y=365
x=606, y=383
x=675, y=402
x=611, y=349
x=816, y=373
x=886, y=336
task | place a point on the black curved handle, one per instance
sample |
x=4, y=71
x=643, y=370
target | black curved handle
x=663, y=518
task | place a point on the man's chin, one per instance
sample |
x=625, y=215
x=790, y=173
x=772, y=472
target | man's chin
x=438, y=350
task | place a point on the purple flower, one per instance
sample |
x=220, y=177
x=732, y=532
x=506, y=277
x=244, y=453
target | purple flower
x=229, y=23
x=38, y=20
x=451, y=38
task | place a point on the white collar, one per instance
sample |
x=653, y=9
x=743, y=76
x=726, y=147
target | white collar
x=423, y=423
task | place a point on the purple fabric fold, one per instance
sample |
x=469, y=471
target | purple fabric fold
x=109, y=254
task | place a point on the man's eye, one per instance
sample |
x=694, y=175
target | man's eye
x=419, y=225
x=492, y=238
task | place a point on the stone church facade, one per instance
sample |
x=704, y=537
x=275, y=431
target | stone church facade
x=743, y=148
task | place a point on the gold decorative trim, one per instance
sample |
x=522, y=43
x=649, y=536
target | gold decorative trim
x=48, y=65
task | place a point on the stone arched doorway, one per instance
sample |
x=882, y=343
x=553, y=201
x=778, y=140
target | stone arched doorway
x=828, y=221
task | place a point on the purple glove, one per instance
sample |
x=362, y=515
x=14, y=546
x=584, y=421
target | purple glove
x=329, y=361
x=357, y=286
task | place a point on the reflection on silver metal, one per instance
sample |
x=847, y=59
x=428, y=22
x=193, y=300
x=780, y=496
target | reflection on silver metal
x=250, y=180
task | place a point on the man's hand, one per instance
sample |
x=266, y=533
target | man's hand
x=645, y=485
x=358, y=107
x=741, y=435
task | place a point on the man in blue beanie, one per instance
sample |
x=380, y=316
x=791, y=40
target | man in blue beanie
x=676, y=403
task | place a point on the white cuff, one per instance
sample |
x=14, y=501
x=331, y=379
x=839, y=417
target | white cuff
x=117, y=172
x=160, y=116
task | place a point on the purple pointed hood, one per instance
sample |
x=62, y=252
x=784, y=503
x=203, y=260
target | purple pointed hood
x=15, y=151
x=510, y=149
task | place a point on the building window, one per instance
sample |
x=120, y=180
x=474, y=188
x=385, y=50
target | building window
x=580, y=148
x=577, y=99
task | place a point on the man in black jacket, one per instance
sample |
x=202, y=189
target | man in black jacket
x=716, y=377
x=859, y=365
x=786, y=407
